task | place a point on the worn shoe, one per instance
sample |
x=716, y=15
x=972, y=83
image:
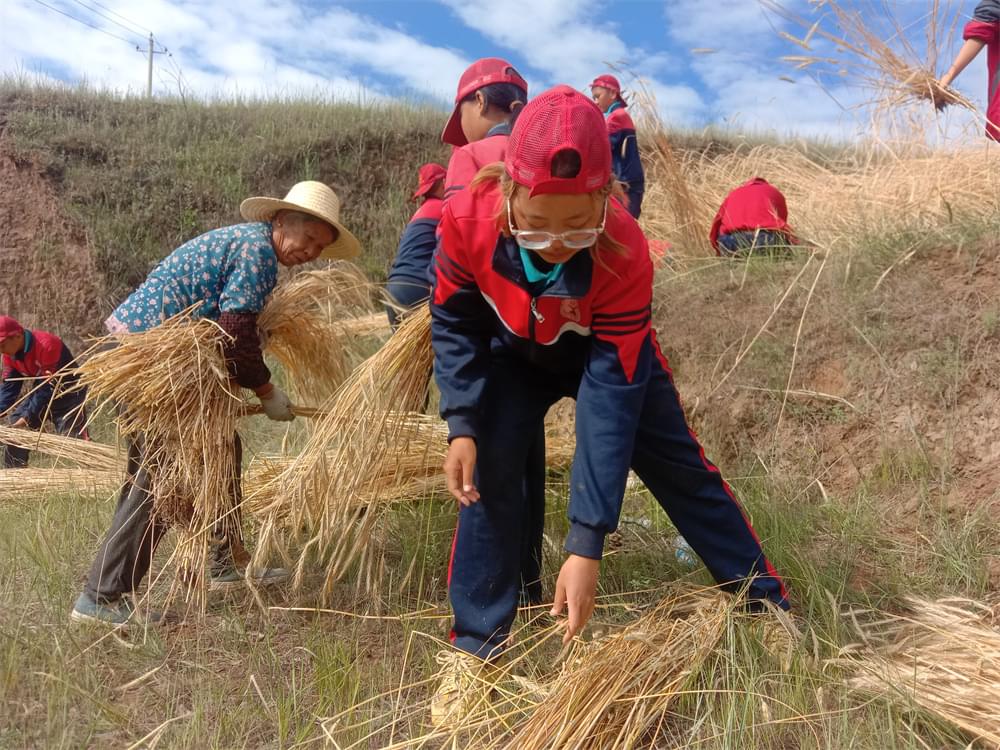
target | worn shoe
x=232, y=577
x=117, y=614
x=466, y=686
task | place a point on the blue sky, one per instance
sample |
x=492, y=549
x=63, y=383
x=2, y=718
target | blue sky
x=418, y=48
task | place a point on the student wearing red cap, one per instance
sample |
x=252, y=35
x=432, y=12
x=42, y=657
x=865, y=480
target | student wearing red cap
x=982, y=31
x=543, y=288
x=42, y=362
x=752, y=218
x=408, y=284
x=490, y=95
x=625, y=161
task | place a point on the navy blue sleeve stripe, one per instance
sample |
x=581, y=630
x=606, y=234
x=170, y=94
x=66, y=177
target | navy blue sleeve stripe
x=455, y=268
x=618, y=332
x=620, y=323
x=627, y=314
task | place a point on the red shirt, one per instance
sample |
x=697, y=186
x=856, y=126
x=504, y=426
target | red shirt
x=756, y=204
x=986, y=29
x=466, y=161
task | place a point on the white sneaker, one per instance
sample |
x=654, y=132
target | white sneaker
x=465, y=686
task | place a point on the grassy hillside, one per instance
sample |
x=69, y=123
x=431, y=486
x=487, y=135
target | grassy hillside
x=141, y=176
x=848, y=391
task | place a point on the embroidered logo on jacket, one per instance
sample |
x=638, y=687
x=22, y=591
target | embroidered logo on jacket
x=570, y=309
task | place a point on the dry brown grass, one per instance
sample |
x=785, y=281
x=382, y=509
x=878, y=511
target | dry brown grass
x=34, y=482
x=83, y=454
x=943, y=656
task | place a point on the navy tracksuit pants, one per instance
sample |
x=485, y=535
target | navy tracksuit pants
x=484, y=575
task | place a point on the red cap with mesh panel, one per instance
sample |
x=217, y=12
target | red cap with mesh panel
x=561, y=118
x=9, y=327
x=428, y=176
x=484, y=72
x=608, y=82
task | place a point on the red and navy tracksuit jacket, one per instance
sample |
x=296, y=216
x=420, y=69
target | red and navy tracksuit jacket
x=985, y=26
x=625, y=161
x=465, y=162
x=505, y=351
x=756, y=204
x=43, y=355
x=409, y=282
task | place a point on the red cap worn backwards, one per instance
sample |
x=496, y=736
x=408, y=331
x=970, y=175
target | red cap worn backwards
x=428, y=176
x=608, y=82
x=559, y=119
x=9, y=327
x=484, y=72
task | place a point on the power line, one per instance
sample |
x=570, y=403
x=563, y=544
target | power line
x=141, y=28
x=108, y=18
x=80, y=21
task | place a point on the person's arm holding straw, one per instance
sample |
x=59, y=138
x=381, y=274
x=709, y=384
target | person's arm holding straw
x=970, y=50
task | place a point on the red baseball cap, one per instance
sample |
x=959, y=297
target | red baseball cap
x=9, y=327
x=608, y=82
x=481, y=73
x=561, y=118
x=428, y=176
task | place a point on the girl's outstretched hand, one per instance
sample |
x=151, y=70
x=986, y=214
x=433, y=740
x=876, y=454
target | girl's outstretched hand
x=459, y=468
x=576, y=589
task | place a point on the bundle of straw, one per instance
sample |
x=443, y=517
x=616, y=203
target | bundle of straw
x=32, y=482
x=318, y=495
x=617, y=691
x=304, y=327
x=85, y=454
x=943, y=656
x=173, y=392
x=900, y=74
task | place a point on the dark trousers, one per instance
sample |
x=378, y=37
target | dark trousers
x=407, y=293
x=635, y=203
x=67, y=415
x=127, y=551
x=483, y=576
x=754, y=241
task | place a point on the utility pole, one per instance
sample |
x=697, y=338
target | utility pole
x=149, y=71
x=149, y=68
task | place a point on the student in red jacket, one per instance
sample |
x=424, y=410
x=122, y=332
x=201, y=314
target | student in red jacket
x=490, y=95
x=625, y=161
x=543, y=290
x=408, y=284
x=753, y=217
x=982, y=31
x=38, y=360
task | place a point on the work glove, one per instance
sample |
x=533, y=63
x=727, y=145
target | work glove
x=277, y=405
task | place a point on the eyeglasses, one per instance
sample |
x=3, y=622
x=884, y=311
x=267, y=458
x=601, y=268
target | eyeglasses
x=574, y=239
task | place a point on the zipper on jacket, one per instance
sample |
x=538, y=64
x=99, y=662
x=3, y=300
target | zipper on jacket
x=535, y=315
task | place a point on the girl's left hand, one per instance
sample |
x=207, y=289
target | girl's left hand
x=576, y=588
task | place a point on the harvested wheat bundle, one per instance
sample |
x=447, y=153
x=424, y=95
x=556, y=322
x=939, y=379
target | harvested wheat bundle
x=881, y=58
x=415, y=471
x=302, y=327
x=173, y=392
x=34, y=482
x=83, y=453
x=318, y=494
x=943, y=656
x=374, y=324
x=614, y=692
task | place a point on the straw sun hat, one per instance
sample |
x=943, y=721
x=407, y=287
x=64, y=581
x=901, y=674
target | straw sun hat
x=313, y=198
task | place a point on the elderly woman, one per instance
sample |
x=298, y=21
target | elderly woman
x=226, y=275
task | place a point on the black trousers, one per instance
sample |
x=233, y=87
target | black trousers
x=66, y=413
x=127, y=551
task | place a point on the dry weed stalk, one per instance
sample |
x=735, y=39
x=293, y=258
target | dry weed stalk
x=172, y=391
x=305, y=327
x=943, y=656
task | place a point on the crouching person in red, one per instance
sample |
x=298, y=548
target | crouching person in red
x=41, y=361
x=543, y=290
x=753, y=218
